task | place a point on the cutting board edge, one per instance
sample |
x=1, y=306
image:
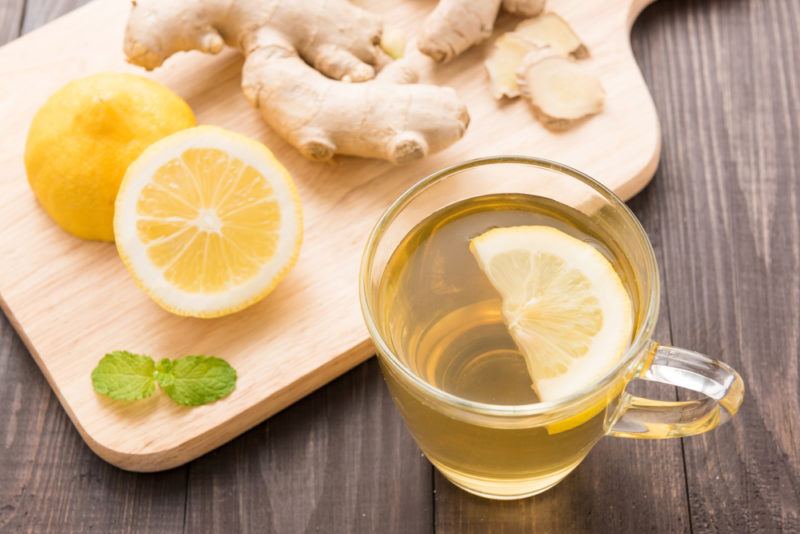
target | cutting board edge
x=634, y=186
x=63, y=19
x=180, y=453
x=169, y=457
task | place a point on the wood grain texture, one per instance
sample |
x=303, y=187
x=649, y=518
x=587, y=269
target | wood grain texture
x=11, y=14
x=49, y=480
x=728, y=180
x=340, y=460
x=729, y=195
x=310, y=329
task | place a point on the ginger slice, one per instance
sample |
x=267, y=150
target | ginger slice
x=549, y=29
x=502, y=64
x=559, y=90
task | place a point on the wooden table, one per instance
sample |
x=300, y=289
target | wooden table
x=724, y=216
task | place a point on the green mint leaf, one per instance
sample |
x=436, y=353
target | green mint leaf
x=195, y=380
x=122, y=375
x=164, y=373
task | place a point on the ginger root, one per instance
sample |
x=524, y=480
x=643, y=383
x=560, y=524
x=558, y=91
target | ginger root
x=559, y=90
x=314, y=110
x=393, y=42
x=456, y=25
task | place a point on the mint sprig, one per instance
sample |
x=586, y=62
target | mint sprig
x=189, y=381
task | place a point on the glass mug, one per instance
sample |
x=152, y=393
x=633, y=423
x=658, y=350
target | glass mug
x=515, y=451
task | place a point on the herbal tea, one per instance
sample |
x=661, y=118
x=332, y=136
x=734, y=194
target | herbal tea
x=449, y=313
x=509, y=324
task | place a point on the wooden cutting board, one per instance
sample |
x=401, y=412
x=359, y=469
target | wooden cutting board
x=72, y=301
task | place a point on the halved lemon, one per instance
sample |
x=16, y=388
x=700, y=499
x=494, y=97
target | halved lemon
x=564, y=304
x=207, y=222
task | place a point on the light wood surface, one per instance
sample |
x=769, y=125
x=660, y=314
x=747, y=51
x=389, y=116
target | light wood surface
x=72, y=301
x=722, y=212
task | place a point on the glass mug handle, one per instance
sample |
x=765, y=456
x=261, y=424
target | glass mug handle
x=654, y=419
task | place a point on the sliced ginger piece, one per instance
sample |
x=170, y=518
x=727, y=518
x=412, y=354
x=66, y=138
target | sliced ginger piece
x=547, y=30
x=551, y=30
x=502, y=64
x=559, y=90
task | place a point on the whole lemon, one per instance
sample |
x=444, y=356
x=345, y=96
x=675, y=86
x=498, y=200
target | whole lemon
x=83, y=138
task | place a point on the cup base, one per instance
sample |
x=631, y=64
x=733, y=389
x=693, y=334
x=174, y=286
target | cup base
x=505, y=489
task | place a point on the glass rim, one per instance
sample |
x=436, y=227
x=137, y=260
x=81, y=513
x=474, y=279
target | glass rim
x=640, y=341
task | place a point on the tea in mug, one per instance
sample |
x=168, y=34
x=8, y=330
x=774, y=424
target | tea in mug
x=446, y=317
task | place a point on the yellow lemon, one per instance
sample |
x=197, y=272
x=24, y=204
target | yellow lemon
x=207, y=222
x=83, y=138
x=565, y=306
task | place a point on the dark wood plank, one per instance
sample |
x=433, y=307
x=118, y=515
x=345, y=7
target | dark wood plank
x=622, y=486
x=726, y=78
x=49, y=479
x=11, y=13
x=340, y=460
x=730, y=170
x=723, y=213
x=341, y=457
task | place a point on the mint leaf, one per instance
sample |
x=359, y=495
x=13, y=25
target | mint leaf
x=191, y=380
x=123, y=375
x=195, y=380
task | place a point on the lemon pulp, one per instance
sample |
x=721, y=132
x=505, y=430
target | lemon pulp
x=208, y=222
x=563, y=303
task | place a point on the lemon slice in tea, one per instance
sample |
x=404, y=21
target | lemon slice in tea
x=563, y=303
x=207, y=222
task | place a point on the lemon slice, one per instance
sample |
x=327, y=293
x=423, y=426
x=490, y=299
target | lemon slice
x=564, y=305
x=207, y=222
